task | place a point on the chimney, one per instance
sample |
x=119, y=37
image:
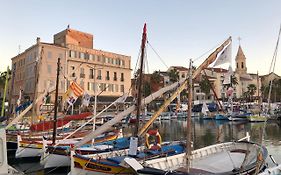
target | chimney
x=37, y=40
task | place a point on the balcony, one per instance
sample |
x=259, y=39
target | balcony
x=82, y=75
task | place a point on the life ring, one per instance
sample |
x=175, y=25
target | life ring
x=158, y=140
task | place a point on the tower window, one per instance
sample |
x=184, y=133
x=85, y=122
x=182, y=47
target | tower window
x=237, y=65
x=242, y=65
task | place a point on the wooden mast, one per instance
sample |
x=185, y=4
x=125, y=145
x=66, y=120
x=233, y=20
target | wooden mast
x=56, y=103
x=139, y=95
x=189, y=116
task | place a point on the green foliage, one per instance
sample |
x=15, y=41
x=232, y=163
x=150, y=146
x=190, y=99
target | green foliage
x=155, y=77
x=205, y=86
x=173, y=75
x=146, y=89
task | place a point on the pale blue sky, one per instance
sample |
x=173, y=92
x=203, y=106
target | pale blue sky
x=177, y=29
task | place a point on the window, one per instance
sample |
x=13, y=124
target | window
x=89, y=86
x=98, y=58
x=116, y=87
x=115, y=76
x=49, y=69
x=122, y=76
x=236, y=65
x=82, y=55
x=82, y=74
x=103, y=59
x=99, y=75
x=93, y=87
x=122, y=62
x=92, y=57
x=183, y=75
x=82, y=84
x=242, y=66
x=122, y=88
x=107, y=75
x=49, y=54
x=72, y=67
x=91, y=76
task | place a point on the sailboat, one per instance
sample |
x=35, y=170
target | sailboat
x=112, y=162
x=238, y=157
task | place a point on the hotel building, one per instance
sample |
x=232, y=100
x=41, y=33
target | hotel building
x=103, y=72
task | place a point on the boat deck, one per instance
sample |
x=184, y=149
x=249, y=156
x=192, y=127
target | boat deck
x=222, y=162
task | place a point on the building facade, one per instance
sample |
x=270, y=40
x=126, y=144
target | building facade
x=96, y=71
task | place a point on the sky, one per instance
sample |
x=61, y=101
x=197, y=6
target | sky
x=178, y=30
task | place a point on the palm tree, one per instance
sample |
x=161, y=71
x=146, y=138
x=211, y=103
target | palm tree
x=252, y=90
x=173, y=75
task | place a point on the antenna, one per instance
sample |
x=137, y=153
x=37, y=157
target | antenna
x=19, y=49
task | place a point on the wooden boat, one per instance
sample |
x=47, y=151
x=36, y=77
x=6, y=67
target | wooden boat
x=257, y=118
x=60, y=155
x=32, y=149
x=107, y=163
x=224, y=158
x=221, y=117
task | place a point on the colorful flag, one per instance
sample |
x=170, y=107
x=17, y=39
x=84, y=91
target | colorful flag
x=73, y=93
x=225, y=56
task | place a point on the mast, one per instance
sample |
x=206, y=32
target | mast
x=272, y=66
x=5, y=90
x=36, y=77
x=189, y=116
x=56, y=103
x=140, y=79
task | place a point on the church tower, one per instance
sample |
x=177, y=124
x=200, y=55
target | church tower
x=240, y=62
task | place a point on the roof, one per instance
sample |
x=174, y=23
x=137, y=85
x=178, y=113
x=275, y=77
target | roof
x=218, y=70
x=240, y=54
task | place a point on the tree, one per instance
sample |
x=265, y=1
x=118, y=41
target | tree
x=146, y=89
x=233, y=80
x=205, y=86
x=173, y=75
x=252, y=90
x=155, y=77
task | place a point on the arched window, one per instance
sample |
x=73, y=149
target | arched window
x=242, y=65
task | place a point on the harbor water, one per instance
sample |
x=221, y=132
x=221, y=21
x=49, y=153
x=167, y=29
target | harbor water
x=204, y=133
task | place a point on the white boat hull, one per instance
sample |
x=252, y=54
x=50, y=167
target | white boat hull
x=28, y=152
x=56, y=160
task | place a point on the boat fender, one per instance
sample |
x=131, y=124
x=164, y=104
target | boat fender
x=158, y=140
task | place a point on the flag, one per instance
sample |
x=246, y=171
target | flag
x=74, y=91
x=225, y=56
x=86, y=99
x=227, y=76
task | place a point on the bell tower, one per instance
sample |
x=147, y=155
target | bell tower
x=240, y=60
